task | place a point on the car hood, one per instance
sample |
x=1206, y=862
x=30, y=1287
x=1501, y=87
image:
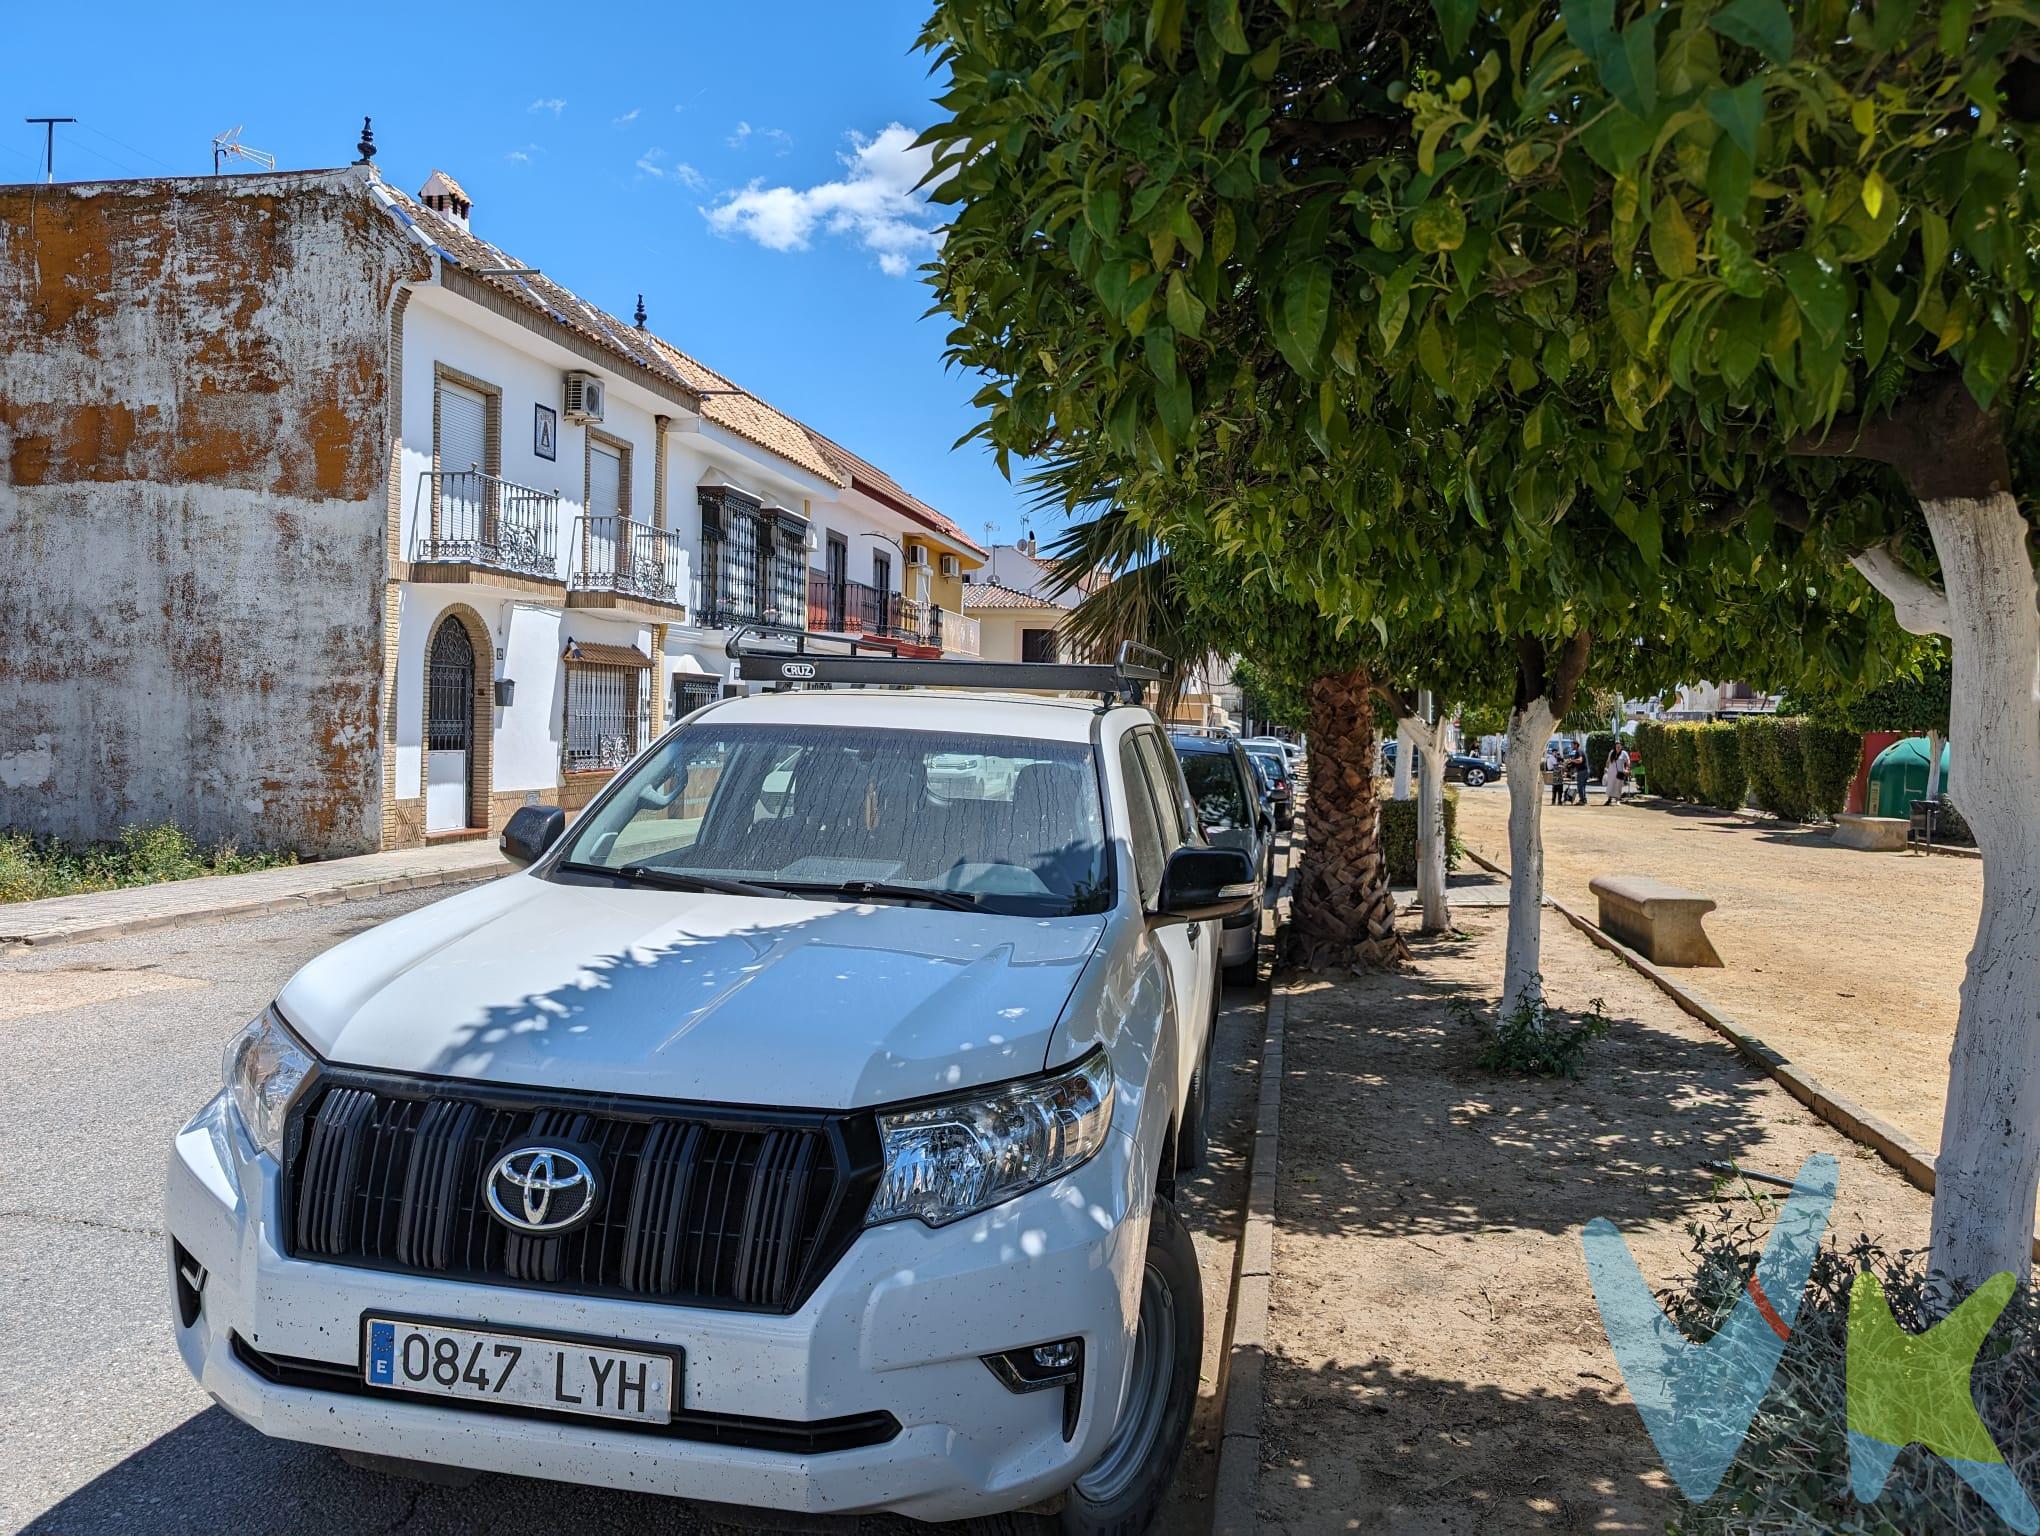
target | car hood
x=718, y=999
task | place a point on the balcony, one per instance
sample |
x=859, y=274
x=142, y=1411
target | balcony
x=852, y=608
x=476, y=527
x=625, y=566
x=957, y=633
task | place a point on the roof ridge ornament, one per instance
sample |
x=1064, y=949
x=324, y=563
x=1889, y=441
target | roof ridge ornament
x=367, y=144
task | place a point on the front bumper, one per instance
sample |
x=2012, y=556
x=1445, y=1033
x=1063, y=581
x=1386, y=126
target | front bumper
x=897, y=1327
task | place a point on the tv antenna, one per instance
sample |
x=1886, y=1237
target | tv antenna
x=228, y=146
x=49, y=128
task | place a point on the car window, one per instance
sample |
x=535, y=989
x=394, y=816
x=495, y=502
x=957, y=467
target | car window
x=1215, y=789
x=1143, y=827
x=1014, y=824
x=1172, y=799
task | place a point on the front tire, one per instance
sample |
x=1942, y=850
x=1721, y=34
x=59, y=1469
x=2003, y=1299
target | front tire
x=1124, y=1490
x=1475, y=778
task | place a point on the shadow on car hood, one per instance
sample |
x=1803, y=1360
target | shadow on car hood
x=722, y=999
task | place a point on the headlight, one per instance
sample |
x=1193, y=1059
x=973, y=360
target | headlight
x=264, y=1066
x=945, y=1161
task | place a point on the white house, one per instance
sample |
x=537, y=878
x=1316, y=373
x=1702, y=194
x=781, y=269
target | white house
x=484, y=539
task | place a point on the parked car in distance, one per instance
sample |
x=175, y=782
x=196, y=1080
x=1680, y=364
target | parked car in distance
x=799, y=1129
x=1276, y=773
x=1460, y=767
x=1225, y=790
x=1292, y=751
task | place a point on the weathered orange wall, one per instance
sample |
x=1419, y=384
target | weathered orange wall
x=194, y=452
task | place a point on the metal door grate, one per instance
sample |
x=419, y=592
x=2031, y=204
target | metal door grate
x=450, y=692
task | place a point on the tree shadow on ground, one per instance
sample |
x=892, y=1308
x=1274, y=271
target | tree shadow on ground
x=1391, y=1129
x=1368, y=1446
x=212, y=1473
x=1713, y=819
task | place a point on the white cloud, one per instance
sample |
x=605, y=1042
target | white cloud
x=653, y=164
x=780, y=140
x=553, y=104
x=629, y=117
x=875, y=203
x=523, y=156
x=737, y=136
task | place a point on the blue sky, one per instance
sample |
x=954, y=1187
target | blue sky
x=735, y=163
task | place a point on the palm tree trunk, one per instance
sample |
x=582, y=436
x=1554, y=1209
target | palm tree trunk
x=1343, y=913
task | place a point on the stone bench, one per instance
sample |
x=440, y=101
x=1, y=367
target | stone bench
x=1658, y=921
x=1875, y=834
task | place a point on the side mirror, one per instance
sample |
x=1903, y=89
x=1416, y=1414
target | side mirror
x=532, y=830
x=1205, y=884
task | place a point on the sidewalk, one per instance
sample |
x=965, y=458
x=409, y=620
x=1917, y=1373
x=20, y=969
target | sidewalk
x=110, y=914
x=1435, y=1362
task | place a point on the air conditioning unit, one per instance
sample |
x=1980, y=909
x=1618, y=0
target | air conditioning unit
x=950, y=566
x=584, y=397
x=917, y=554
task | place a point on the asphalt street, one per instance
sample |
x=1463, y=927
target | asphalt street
x=105, y=1050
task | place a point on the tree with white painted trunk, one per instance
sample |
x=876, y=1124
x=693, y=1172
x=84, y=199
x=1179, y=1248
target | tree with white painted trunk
x=1505, y=318
x=1983, y=595
x=1546, y=678
x=1420, y=744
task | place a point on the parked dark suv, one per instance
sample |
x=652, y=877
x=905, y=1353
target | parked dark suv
x=1227, y=793
x=1274, y=766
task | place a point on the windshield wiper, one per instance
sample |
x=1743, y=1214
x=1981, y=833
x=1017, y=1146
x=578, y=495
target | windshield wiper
x=679, y=880
x=884, y=890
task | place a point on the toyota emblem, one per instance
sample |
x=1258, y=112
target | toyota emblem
x=543, y=1190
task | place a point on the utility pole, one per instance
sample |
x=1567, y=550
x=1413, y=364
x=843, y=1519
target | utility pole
x=49, y=142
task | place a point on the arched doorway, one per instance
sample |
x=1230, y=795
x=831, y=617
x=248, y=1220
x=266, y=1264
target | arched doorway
x=449, y=727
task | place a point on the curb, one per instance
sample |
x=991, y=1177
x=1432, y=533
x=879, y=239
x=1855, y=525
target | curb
x=1845, y=1115
x=1246, y=1348
x=116, y=928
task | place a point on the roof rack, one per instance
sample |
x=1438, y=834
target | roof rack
x=1119, y=681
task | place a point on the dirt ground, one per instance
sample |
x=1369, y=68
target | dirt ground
x=1846, y=962
x=1437, y=1362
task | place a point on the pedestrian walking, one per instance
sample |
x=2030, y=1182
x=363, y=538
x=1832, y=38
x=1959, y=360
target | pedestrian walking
x=1615, y=774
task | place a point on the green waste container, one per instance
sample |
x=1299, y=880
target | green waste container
x=1899, y=776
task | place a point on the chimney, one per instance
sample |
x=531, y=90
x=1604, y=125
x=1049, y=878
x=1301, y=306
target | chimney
x=1027, y=546
x=445, y=196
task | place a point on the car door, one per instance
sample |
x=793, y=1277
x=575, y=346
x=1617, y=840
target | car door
x=1190, y=950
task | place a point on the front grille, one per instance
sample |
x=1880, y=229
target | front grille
x=699, y=1206
x=793, y=1438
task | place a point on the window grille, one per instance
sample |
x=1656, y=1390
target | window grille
x=755, y=562
x=789, y=571
x=606, y=726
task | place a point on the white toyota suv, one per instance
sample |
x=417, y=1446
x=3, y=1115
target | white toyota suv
x=798, y=1130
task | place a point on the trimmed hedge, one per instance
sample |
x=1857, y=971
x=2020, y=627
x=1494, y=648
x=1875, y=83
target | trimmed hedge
x=1831, y=754
x=1774, y=753
x=1599, y=745
x=1691, y=761
x=1722, y=780
x=1399, y=836
x=1754, y=736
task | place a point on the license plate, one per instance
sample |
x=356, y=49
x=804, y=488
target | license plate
x=562, y=1375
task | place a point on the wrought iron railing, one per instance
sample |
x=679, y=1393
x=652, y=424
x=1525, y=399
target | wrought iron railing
x=853, y=608
x=467, y=517
x=628, y=558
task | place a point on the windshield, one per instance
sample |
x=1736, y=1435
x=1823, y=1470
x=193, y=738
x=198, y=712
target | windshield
x=1004, y=823
x=1215, y=786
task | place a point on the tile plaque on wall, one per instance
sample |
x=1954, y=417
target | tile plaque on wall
x=545, y=432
